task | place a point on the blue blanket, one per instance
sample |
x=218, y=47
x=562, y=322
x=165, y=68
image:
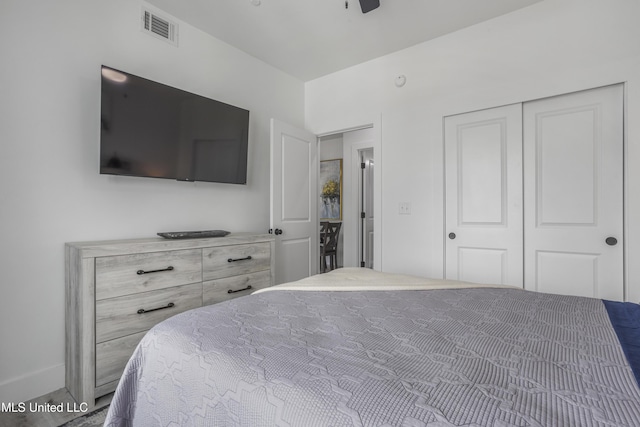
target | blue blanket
x=625, y=318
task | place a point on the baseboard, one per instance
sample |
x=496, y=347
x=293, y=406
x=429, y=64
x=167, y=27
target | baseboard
x=32, y=385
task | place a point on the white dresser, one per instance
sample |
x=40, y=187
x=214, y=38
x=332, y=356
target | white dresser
x=117, y=290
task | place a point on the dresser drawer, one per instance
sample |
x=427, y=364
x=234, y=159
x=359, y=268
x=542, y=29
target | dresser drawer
x=112, y=356
x=135, y=273
x=219, y=290
x=226, y=261
x=117, y=317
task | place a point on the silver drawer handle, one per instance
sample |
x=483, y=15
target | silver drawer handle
x=239, y=290
x=143, y=311
x=154, y=271
x=239, y=259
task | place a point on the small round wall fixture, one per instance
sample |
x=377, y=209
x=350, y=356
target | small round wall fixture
x=401, y=80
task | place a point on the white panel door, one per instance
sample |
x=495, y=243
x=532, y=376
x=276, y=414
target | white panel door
x=294, y=209
x=573, y=187
x=483, y=176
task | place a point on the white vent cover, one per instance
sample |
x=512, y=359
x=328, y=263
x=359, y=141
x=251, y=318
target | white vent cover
x=159, y=27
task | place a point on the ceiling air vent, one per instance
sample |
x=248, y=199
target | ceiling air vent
x=159, y=27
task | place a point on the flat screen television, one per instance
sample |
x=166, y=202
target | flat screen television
x=152, y=130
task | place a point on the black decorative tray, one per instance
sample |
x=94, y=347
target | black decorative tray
x=193, y=234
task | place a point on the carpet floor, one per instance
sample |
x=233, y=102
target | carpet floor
x=93, y=419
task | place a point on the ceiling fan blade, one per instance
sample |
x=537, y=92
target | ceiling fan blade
x=369, y=5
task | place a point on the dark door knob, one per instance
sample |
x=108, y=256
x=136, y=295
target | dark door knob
x=452, y=236
x=611, y=241
x=277, y=231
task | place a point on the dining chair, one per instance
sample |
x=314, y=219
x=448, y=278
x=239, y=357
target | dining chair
x=329, y=232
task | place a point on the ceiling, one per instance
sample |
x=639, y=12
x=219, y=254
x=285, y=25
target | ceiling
x=311, y=38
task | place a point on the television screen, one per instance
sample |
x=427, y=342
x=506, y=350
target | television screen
x=152, y=130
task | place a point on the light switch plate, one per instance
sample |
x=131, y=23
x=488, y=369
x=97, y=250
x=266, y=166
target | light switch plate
x=404, y=208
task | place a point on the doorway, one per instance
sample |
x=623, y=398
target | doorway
x=357, y=238
x=294, y=182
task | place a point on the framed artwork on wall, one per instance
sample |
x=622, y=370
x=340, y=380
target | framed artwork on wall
x=331, y=189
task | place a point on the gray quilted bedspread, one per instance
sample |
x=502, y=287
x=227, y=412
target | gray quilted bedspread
x=464, y=357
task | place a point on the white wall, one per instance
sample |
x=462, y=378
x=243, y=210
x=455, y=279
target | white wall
x=331, y=147
x=50, y=188
x=550, y=48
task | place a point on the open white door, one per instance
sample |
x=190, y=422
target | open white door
x=294, y=201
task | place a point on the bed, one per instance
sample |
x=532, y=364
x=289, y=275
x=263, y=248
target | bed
x=355, y=347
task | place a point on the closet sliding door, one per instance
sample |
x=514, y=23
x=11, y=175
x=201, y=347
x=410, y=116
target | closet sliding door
x=573, y=193
x=534, y=195
x=483, y=167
